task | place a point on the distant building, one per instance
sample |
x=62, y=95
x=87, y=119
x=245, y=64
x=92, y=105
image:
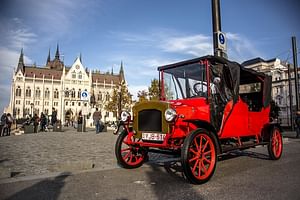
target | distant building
x=39, y=89
x=280, y=88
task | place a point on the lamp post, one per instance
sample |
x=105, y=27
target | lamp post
x=120, y=101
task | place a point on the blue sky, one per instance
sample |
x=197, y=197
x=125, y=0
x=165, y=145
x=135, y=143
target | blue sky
x=143, y=34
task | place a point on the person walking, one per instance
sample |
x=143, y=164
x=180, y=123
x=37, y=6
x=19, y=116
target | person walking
x=43, y=120
x=3, y=125
x=53, y=117
x=9, y=121
x=97, y=117
x=297, y=122
x=35, y=120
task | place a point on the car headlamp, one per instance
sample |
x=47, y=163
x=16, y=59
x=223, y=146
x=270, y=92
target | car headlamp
x=170, y=114
x=125, y=116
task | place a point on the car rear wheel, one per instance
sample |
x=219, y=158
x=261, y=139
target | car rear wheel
x=199, y=156
x=275, y=145
x=129, y=156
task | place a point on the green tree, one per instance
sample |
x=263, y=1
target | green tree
x=120, y=99
x=142, y=95
x=153, y=90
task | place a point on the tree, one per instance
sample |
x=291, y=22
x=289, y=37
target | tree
x=120, y=99
x=153, y=90
x=142, y=95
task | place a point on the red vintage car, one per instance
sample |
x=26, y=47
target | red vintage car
x=208, y=106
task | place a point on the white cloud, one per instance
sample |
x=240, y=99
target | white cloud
x=196, y=45
x=240, y=48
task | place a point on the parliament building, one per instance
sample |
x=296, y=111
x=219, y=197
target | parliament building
x=39, y=89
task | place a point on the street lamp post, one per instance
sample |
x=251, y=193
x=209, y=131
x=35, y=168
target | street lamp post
x=120, y=102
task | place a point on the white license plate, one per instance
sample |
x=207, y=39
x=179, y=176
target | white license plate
x=153, y=136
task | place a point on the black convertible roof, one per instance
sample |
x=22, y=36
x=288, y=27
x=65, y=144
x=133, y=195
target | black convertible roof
x=235, y=74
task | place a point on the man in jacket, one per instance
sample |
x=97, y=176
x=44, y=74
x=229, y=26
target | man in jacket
x=97, y=117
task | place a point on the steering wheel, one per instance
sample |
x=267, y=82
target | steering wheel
x=197, y=86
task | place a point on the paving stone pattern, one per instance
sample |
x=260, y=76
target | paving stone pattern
x=68, y=151
x=47, y=152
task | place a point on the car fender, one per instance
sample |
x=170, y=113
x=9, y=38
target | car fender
x=209, y=127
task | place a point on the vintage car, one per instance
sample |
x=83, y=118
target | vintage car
x=208, y=106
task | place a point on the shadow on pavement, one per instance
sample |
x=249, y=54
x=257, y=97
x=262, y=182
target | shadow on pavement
x=45, y=189
x=167, y=182
x=238, y=153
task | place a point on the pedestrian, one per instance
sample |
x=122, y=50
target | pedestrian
x=3, y=125
x=53, y=117
x=97, y=117
x=9, y=121
x=43, y=120
x=35, y=120
x=297, y=122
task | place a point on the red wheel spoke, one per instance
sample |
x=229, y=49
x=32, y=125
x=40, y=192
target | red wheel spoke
x=195, y=165
x=205, y=145
x=203, y=167
x=199, y=150
x=199, y=169
x=125, y=149
x=126, y=156
x=195, y=158
x=207, y=152
x=205, y=159
x=193, y=151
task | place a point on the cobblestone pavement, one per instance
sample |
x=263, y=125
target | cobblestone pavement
x=47, y=152
x=33, y=154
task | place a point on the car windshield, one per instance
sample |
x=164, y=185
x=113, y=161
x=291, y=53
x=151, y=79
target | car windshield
x=186, y=81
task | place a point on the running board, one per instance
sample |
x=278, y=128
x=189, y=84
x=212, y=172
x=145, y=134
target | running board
x=245, y=145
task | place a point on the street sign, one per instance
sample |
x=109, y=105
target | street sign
x=222, y=43
x=84, y=96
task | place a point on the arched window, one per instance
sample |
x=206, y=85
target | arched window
x=67, y=92
x=79, y=93
x=99, y=96
x=47, y=93
x=37, y=92
x=74, y=75
x=56, y=94
x=73, y=93
x=107, y=97
x=80, y=75
x=18, y=91
x=28, y=92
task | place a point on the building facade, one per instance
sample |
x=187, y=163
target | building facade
x=39, y=89
x=280, y=84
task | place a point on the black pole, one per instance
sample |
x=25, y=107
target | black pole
x=216, y=22
x=291, y=98
x=294, y=45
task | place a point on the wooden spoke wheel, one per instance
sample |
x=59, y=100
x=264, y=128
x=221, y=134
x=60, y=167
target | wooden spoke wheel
x=199, y=156
x=275, y=145
x=129, y=156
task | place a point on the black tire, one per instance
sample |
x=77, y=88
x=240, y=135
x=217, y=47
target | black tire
x=204, y=160
x=275, y=145
x=131, y=156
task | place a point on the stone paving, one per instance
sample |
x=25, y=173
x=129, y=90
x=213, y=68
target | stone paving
x=68, y=151
x=45, y=152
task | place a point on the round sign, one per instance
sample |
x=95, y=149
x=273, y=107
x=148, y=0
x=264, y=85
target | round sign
x=222, y=38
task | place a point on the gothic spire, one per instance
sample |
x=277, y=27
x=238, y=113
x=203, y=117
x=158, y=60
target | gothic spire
x=112, y=70
x=121, y=73
x=80, y=57
x=48, y=59
x=57, y=52
x=21, y=62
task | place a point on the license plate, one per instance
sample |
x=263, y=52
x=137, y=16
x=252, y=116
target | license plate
x=153, y=136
